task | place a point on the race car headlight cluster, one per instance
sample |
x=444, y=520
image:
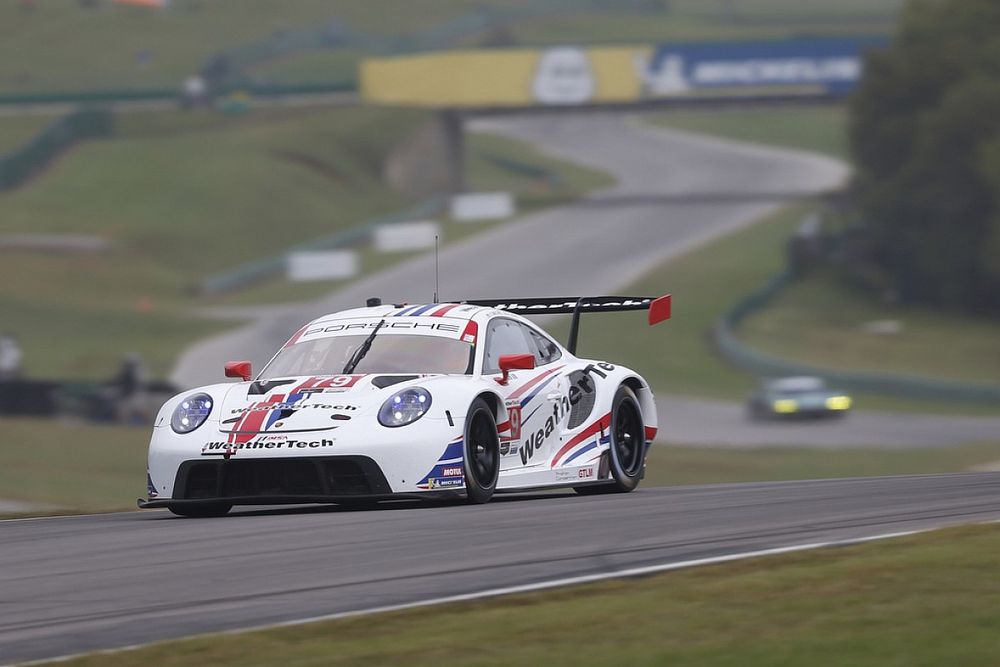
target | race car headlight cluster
x=838, y=403
x=785, y=405
x=191, y=413
x=404, y=407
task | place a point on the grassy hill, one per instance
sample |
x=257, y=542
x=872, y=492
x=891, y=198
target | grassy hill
x=62, y=45
x=180, y=196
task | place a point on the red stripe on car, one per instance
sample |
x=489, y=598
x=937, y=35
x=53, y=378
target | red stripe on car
x=306, y=384
x=531, y=383
x=471, y=332
x=249, y=424
x=598, y=425
x=295, y=338
x=441, y=311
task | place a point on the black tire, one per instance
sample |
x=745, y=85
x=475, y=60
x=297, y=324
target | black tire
x=201, y=510
x=627, y=451
x=482, y=453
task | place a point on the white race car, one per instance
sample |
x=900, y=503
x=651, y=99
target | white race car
x=443, y=399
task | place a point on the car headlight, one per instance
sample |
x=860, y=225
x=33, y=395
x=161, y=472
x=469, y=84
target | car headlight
x=785, y=405
x=191, y=413
x=839, y=403
x=404, y=407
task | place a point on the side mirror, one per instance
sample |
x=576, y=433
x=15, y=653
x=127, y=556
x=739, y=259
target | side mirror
x=509, y=362
x=239, y=369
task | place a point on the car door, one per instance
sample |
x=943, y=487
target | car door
x=553, y=389
x=529, y=396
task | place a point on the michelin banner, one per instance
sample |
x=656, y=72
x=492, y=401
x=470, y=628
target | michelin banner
x=567, y=75
x=831, y=65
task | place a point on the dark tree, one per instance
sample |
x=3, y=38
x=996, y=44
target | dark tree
x=925, y=134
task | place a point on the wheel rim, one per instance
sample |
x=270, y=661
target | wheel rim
x=482, y=452
x=628, y=438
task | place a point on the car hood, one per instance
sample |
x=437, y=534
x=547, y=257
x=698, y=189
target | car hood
x=309, y=403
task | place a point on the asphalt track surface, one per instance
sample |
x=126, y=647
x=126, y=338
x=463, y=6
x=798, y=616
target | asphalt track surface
x=92, y=582
x=695, y=421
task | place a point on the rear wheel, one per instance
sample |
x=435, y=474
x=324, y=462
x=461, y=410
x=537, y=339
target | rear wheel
x=482, y=453
x=627, y=450
x=201, y=510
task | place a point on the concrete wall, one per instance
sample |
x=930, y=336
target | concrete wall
x=429, y=162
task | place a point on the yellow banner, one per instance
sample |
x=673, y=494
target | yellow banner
x=516, y=77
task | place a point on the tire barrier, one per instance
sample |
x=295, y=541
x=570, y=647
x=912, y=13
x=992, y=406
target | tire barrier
x=28, y=398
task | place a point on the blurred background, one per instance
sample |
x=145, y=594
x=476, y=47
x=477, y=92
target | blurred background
x=184, y=182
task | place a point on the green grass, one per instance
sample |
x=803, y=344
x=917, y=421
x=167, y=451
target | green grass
x=85, y=467
x=546, y=180
x=671, y=465
x=15, y=131
x=821, y=129
x=677, y=356
x=181, y=196
x=817, y=321
x=70, y=465
x=928, y=599
x=62, y=46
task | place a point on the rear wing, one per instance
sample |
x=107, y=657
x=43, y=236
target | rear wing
x=658, y=307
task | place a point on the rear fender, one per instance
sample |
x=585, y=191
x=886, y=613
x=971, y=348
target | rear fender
x=608, y=377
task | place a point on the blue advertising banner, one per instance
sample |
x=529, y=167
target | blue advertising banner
x=832, y=64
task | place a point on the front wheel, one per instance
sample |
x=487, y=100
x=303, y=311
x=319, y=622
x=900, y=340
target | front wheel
x=482, y=453
x=201, y=510
x=627, y=450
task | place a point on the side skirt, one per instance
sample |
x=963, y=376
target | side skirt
x=537, y=477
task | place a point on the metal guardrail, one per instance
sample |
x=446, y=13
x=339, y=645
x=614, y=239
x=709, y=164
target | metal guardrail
x=765, y=365
x=21, y=163
x=267, y=267
x=111, y=96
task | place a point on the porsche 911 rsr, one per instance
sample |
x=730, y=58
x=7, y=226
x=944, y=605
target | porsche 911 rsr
x=445, y=399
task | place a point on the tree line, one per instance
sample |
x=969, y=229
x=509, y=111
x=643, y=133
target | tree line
x=925, y=137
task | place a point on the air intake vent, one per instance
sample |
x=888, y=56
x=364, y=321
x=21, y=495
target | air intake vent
x=585, y=403
x=384, y=381
x=283, y=479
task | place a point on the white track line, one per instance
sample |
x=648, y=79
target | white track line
x=49, y=517
x=511, y=590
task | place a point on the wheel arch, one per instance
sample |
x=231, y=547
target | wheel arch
x=647, y=401
x=496, y=405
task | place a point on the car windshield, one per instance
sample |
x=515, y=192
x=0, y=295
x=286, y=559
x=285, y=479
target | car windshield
x=389, y=353
x=796, y=385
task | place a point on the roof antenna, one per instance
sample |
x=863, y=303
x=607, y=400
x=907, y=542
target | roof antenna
x=436, y=269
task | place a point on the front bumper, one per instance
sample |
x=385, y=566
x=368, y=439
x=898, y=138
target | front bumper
x=272, y=481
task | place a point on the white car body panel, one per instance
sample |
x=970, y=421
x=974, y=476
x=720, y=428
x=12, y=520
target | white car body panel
x=336, y=415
